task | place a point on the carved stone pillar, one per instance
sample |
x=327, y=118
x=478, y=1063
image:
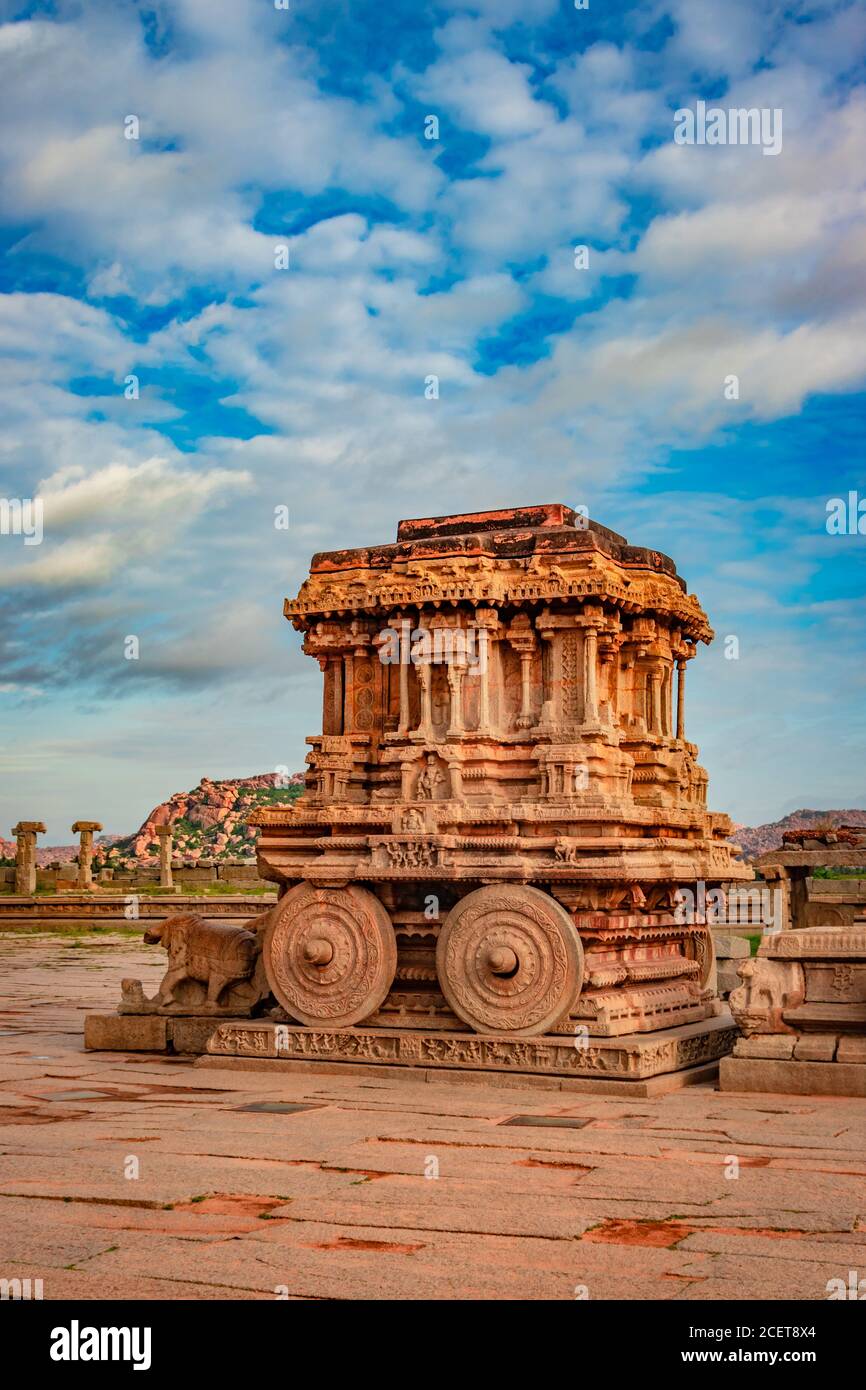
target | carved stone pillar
x=654, y=709
x=165, y=843
x=668, y=711
x=85, y=829
x=524, y=718
x=590, y=714
x=425, y=728
x=405, y=659
x=486, y=625
x=681, y=698
x=484, y=685
x=407, y=776
x=522, y=640
x=336, y=668
x=25, y=833
x=348, y=676
x=455, y=777
x=455, y=685
x=332, y=698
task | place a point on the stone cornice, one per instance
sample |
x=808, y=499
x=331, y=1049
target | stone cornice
x=367, y=589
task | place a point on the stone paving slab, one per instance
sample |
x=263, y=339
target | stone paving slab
x=388, y=1189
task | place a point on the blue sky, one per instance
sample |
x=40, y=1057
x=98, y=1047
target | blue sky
x=411, y=257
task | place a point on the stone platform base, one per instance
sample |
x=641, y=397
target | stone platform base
x=634, y=1058
x=639, y=1064
x=792, y=1078
x=445, y=1076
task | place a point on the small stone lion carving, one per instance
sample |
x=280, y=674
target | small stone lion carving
x=768, y=987
x=212, y=953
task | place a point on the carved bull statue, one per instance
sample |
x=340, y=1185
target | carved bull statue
x=212, y=953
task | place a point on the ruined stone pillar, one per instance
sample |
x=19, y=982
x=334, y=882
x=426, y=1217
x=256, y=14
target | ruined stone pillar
x=165, y=842
x=85, y=830
x=681, y=697
x=25, y=833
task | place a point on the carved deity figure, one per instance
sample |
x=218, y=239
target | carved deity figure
x=430, y=780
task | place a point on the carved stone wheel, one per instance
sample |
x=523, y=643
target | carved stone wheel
x=330, y=954
x=509, y=960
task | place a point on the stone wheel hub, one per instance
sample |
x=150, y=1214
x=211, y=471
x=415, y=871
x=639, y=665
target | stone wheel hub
x=330, y=955
x=510, y=960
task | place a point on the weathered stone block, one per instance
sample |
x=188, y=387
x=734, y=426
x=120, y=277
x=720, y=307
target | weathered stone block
x=730, y=947
x=190, y=1034
x=851, y=1050
x=766, y=1045
x=816, y=1047
x=792, y=1077
x=124, y=1033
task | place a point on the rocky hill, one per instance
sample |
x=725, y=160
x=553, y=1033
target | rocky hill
x=756, y=839
x=208, y=822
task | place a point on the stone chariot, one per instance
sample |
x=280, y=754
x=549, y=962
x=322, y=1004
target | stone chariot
x=500, y=809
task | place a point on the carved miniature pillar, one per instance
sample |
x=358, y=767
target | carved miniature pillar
x=681, y=697
x=455, y=685
x=590, y=715
x=84, y=829
x=25, y=833
x=165, y=841
x=425, y=728
x=405, y=658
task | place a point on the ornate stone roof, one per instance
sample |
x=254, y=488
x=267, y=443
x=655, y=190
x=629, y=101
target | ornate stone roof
x=519, y=556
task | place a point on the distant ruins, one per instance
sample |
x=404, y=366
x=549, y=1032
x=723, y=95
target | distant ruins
x=801, y=1003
